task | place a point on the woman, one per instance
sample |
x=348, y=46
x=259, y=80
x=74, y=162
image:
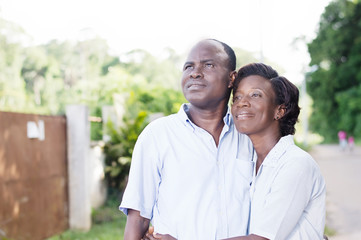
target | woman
x=288, y=190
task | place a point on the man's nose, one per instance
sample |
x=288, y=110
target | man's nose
x=196, y=72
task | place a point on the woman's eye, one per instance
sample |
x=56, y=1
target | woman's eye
x=255, y=94
x=236, y=98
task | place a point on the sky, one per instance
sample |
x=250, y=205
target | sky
x=260, y=26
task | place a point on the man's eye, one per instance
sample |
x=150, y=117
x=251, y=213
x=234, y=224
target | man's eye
x=209, y=65
x=187, y=67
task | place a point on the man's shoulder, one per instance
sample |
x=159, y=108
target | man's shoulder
x=161, y=122
x=162, y=125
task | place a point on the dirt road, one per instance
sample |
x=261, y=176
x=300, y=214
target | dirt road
x=342, y=172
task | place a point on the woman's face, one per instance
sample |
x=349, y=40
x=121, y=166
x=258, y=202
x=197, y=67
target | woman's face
x=254, y=108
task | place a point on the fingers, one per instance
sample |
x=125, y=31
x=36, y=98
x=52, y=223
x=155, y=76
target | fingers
x=157, y=236
x=160, y=236
x=151, y=230
x=163, y=236
x=150, y=237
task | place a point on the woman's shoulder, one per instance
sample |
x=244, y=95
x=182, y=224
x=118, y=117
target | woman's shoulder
x=299, y=158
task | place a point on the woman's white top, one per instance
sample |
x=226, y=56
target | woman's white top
x=288, y=195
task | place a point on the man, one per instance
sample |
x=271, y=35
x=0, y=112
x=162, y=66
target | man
x=191, y=171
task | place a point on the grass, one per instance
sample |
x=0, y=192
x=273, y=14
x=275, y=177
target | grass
x=107, y=224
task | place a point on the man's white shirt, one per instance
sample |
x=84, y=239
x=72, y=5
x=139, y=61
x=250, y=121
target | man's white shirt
x=184, y=183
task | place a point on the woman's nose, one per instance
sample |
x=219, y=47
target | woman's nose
x=243, y=102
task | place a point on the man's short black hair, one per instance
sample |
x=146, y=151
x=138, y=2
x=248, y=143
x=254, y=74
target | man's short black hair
x=230, y=53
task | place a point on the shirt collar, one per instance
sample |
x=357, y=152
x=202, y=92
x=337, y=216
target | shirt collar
x=278, y=150
x=185, y=119
x=228, y=117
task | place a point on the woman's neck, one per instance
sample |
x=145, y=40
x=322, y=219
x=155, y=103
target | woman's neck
x=263, y=144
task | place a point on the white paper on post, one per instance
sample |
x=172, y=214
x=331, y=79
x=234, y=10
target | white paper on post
x=36, y=130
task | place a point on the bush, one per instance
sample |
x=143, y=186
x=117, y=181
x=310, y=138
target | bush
x=118, y=151
x=142, y=101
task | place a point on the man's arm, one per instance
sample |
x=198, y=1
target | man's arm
x=136, y=226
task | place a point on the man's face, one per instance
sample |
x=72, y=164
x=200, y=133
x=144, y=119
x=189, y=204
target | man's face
x=206, y=77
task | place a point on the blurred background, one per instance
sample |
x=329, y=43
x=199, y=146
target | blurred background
x=121, y=62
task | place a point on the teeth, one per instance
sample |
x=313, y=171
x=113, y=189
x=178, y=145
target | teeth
x=243, y=115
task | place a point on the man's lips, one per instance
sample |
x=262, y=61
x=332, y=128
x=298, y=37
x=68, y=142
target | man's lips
x=195, y=85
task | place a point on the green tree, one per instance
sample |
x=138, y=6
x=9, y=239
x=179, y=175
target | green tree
x=12, y=87
x=165, y=70
x=335, y=85
x=34, y=72
x=61, y=73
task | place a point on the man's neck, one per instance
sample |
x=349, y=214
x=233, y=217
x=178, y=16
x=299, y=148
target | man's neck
x=210, y=120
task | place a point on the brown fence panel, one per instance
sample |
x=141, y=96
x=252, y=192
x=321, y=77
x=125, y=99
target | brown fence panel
x=33, y=177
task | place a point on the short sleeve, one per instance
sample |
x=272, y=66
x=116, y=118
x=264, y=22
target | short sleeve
x=144, y=176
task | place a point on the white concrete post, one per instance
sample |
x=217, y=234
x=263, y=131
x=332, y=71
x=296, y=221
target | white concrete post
x=78, y=135
x=108, y=114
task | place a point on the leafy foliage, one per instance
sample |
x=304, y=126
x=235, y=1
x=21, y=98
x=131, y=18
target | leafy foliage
x=44, y=79
x=141, y=103
x=335, y=85
x=120, y=148
x=12, y=88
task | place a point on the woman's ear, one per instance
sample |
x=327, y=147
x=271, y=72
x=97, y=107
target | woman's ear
x=232, y=77
x=281, y=111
